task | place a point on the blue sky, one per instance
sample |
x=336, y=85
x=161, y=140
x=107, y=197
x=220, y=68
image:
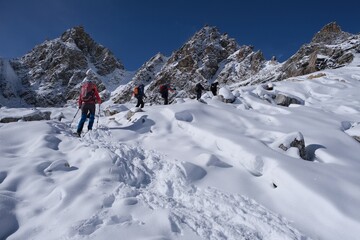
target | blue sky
x=135, y=30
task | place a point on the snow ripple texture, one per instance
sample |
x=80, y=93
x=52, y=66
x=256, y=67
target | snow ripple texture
x=160, y=183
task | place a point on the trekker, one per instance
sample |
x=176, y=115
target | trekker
x=139, y=94
x=198, y=90
x=213, y=88
x=89, y=95
x=164, y=91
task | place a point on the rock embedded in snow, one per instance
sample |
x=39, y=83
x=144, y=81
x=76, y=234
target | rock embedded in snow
x=296, y=140
x=285, y=100
x=226, y=95
x=33, y=116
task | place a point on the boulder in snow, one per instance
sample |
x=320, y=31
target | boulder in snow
x=226, y=95
x=296, y=140
x=353, y=129
x=286, y=100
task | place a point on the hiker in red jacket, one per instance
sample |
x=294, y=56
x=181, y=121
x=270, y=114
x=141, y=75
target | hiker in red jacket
x=89, y=96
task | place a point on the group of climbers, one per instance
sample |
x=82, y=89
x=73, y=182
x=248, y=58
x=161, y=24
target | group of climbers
x=89, y=96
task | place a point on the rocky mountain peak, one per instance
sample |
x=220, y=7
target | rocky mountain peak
x=329, y=48
x=79, y=38
x=52, y=71
x=331, y=33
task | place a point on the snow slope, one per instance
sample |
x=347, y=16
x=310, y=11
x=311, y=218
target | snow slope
x=190, y=170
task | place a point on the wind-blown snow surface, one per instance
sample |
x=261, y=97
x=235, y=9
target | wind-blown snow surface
x=190, y=170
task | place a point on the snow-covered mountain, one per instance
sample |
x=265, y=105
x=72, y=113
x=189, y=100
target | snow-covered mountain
x=51, y=72
x=210, y=56
x=192, y=170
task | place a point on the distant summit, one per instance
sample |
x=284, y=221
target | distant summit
x=104, y=61
x=330, y=34
x=52, y=71
x=329, y=48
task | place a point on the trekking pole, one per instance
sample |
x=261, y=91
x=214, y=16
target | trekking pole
x=97, y=122
x=74, y=117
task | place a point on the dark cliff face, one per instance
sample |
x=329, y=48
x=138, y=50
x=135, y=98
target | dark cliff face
x=51, y=72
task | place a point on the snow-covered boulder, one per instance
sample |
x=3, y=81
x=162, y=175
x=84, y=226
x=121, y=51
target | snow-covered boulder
x=226, y=95
x=353, y=129
x=292, y=140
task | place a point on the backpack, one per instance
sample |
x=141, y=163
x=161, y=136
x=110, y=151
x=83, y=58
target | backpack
x=136, y=91
x=88, y=92
x=198, y=87
x=214, y=86
x=139, y=90
x=163, y=89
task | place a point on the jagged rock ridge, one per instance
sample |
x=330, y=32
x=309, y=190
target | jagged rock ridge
x=51, y=72
x=208, y=56
x=329, y=48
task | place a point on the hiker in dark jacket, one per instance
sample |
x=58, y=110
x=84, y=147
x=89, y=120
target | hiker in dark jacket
x=164, y=91
x=89, y=96
x=139, y=93
x=213, y=88
x=198, y=90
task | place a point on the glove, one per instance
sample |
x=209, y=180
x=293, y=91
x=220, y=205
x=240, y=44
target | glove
x=79, y=106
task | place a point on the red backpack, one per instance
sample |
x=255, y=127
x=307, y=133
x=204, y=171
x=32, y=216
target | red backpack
x=88, y=92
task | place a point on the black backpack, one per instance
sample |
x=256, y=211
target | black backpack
x=198, y=87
